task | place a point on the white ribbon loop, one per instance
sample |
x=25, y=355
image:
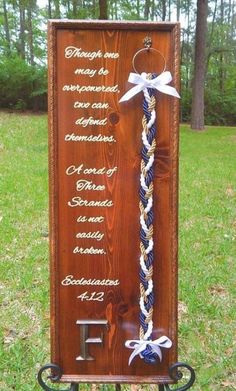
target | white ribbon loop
x=140, y=345
x=159, y=83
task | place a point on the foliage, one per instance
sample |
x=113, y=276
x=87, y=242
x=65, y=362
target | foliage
x=22, y=85
x=23, y=27
x=221, y=108
x=207, y=237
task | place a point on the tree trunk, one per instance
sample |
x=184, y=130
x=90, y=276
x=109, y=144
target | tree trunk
x=74, y=8
x=233, y=20
x=22, y=30
x=229, y=11
x=169, y=10
x=163, y=17
x=6, y=28
x=116, y=10
x=49, y=9
x=177, y=10
x=188, y=58
x=57, y=9
x=152, y=10
x=94, y=9
x=197, y=115
x=221, y=67
x=146, y=9
x=138, y=9
x=30, y=34
x=103, y=9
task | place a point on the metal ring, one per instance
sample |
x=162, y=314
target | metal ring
x=147, y=50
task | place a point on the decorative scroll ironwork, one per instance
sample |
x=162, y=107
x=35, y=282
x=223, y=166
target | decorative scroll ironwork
x=55, y=376
x=176, y=374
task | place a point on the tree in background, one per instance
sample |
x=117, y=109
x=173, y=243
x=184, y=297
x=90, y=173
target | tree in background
x=103, y=9
x=23, y=35
x=197, y=117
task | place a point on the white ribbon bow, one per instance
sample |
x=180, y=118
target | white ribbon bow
x=159, y=83
x=140, y=345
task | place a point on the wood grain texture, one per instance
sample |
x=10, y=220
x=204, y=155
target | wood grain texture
x=121, y=223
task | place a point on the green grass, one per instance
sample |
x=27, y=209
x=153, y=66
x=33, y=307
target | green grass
x=206, y=257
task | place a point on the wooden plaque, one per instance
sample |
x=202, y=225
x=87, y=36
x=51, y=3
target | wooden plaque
x=95, y=149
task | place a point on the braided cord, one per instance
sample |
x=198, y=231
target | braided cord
x=146, y=347
x=146, y=221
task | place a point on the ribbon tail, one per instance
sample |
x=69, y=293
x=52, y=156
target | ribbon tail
x=135, y=353
x=168, y=90
x=132, y=357
x=133, y=91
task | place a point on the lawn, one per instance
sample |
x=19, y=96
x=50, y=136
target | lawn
x=207, y=273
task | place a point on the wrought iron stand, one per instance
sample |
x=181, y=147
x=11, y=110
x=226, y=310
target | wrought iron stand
x=175, y=372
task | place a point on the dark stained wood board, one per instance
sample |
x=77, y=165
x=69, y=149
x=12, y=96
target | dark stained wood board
x=117, y=183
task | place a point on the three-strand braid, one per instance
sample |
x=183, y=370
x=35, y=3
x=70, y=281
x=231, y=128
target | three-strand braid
x=146, y=221
x=146, y=347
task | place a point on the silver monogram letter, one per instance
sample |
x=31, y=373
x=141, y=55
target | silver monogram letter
x=84, y=337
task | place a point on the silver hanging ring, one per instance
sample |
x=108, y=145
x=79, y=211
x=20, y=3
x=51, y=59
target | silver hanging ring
x=148, y=50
